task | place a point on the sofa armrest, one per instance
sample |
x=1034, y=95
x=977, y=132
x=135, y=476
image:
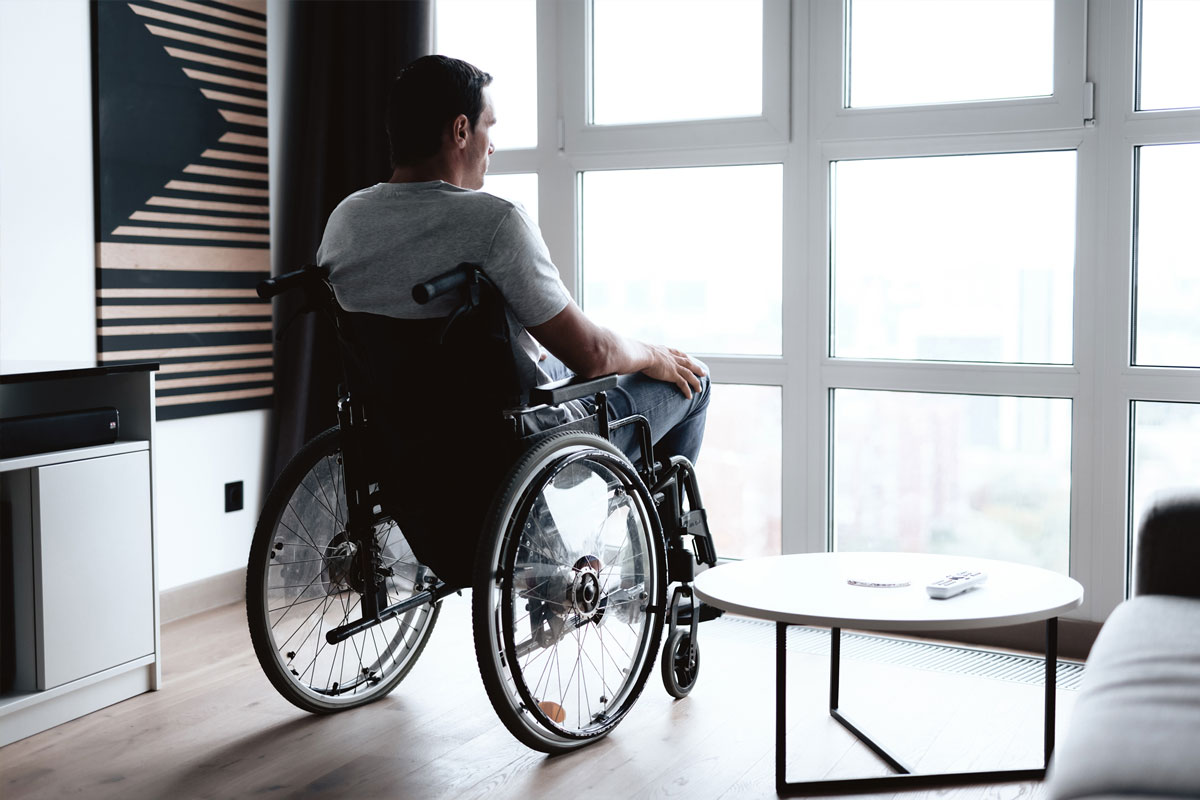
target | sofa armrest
x=1168, y=547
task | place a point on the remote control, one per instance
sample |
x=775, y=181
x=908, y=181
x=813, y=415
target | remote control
x=955, y=583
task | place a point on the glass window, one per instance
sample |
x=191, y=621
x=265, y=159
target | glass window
x=516, y=187
x=1168, y=59
x=1167, y=329
x=954, y=258
x=667, y=60
x=957, y=474
x=499, y=37
x=1166, y=439
x=690, y=258
x=739, y=468
x=912, y=52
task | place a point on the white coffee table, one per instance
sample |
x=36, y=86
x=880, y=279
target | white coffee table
x=813, y=589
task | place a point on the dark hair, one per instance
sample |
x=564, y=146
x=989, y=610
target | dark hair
x=426, y=95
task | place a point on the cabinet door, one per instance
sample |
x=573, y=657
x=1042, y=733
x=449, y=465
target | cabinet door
x=94, y=568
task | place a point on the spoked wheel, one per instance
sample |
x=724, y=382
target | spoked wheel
x=304, y=579
x=570, y=584
x=680, y=663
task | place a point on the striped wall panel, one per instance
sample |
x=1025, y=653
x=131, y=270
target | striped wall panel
x=182, y=200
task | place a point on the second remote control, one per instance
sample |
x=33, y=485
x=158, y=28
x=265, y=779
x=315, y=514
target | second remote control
x=955, y=583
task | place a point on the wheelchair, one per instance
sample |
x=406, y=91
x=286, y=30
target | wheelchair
x=568, y=546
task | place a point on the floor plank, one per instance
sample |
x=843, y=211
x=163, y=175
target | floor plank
x=217, y=729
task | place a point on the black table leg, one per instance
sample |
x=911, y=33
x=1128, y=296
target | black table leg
x=906, y=780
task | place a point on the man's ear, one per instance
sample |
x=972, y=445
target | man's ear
x=459, y=130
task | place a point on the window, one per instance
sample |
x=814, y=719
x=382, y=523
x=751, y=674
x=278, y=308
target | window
x=1167, y=326
x=1168, y=61
x=687, y=257
x=945, y=307
x=639, y=75
x=1166, y=438
x=957, y=258
x=913, y=52
x=499, y=37
x=739, y=468
x=957, y=474
x=518, y=187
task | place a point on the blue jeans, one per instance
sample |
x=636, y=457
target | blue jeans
x=676, y=423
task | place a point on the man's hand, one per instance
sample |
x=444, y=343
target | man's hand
x=590, y=350
x=675, y=366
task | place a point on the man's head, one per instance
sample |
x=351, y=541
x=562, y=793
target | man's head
x=439, y=106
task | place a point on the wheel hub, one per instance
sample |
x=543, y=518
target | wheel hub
x=341, y=566
x=584, y=595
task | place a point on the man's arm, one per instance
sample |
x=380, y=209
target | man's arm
x=589, y=350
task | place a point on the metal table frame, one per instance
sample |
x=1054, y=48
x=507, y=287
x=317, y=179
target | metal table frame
x=906, y=779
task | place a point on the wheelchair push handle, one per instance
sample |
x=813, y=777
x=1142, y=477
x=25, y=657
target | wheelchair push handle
x=272, y=287
x=447, y=282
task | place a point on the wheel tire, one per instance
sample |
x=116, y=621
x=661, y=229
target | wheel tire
x=680, y=664
x=304, y=518
x=534, y=573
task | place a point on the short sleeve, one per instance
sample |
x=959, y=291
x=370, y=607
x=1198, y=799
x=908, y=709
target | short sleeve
x=520, y=266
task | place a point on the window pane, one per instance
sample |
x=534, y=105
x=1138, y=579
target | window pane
x=912, y=52
x=517, y=187
x=1169, y=62
x=1166, y=439
x=691, y=258
x=1167, y=331
x=739, y=469
x=668, y=60
x=956, y=474
x=499, y=37
x=956, y=258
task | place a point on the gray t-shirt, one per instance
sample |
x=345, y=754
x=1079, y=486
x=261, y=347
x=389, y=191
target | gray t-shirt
x=381, y=241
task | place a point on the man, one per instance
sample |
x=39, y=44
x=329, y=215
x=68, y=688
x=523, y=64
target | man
x=430, y=216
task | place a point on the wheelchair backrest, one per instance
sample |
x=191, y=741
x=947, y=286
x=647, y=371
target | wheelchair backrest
x=433, y=392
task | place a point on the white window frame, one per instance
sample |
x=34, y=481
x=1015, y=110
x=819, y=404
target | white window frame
x=771, y=127
x=1063, y=109
x=1119, y=382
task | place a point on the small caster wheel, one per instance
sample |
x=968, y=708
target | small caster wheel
x=680, y=664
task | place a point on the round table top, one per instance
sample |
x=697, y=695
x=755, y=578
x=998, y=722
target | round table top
x=813, y=589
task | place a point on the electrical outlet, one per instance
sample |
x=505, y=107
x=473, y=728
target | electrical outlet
x=233, y=496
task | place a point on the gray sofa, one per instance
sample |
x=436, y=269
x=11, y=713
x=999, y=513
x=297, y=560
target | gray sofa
x=1135, y=728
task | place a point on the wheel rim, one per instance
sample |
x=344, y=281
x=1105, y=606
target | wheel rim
x=685, y=662
x=311, y=584
x=576, y=620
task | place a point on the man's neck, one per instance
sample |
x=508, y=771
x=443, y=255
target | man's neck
x=424, y=173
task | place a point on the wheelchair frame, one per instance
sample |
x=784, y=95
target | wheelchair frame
x=669, y=487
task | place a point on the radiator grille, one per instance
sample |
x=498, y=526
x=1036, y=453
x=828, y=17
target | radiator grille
x=905, y=652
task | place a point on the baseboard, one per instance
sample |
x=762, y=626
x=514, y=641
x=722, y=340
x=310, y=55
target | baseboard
x=1075, y=637
x=192, y=598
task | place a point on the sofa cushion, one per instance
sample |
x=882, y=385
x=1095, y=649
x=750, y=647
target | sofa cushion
x=1135, y=728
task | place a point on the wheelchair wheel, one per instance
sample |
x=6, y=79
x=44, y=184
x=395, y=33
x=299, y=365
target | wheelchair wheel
x=570, y=585
x=303, y=580
x=680, y=664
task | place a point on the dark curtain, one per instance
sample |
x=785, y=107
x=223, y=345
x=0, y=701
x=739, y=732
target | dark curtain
x=341, y=57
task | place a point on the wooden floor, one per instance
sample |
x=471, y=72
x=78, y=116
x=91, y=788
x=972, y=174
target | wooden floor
x=217, y=729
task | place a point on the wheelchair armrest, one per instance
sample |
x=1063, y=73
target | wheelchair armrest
x=553, y=394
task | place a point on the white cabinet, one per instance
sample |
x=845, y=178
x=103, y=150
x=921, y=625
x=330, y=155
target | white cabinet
x=80, y=606
x=93, y=576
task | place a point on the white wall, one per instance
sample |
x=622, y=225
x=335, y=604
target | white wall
x=194, y=460
x=47, y=245
x=47, y=283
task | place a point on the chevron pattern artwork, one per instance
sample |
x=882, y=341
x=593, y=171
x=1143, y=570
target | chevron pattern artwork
x=182, y=199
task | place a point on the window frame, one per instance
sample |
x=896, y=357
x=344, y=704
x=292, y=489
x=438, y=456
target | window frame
x=771, y=127
x=1061, y=110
